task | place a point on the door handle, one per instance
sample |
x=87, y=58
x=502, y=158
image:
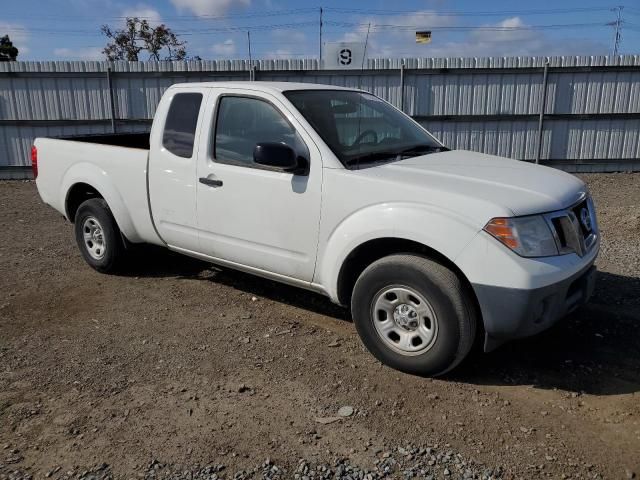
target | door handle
x=211, y=182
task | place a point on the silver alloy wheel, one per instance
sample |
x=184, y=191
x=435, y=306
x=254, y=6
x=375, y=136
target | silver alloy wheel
x=94, y=239
x=404, y=320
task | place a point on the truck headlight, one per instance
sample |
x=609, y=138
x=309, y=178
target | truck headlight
x=527, y=236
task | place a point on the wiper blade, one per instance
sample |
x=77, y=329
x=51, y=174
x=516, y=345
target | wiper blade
x=394, y=155
x=424, y=148
x=371, y=157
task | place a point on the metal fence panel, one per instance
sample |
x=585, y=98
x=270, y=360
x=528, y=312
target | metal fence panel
x=485, y=104
x=514, y=139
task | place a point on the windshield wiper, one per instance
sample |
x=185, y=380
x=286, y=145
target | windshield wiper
x=395, y=155
x=370, y=157
x=422, y=148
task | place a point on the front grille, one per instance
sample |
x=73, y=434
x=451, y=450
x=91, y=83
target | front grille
x=575, y=229
x=583, y=214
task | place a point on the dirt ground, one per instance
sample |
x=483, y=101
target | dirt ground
x=181, y=363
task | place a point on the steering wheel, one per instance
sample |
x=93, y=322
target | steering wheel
x=363, y=135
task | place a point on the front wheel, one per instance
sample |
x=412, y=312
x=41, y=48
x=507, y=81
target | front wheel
x=98, y=236
x=414, y=314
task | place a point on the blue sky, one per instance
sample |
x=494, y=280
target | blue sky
x=70, y=29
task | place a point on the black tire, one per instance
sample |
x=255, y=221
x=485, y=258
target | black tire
x=446, y=296
x=108, y=259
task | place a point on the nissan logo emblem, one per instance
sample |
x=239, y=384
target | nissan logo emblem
x=585, y=218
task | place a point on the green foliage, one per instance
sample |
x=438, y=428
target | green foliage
x=8, y=53
x=138, y=36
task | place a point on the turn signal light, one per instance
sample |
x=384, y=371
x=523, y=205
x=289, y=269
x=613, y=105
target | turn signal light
x=503, y=230
x=528, y=236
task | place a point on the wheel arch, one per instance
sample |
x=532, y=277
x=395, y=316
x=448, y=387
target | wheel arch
x=84, y=181
x=76, y=195
x=383, y=229
x=371, y=250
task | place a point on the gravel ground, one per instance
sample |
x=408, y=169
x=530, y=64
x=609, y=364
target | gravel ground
x=183, y=370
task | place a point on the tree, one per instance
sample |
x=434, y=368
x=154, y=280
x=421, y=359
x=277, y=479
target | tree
x=162, y=37
x=8, y=53
x=139, y=36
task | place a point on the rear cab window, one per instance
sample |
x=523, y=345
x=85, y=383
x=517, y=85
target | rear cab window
x=180, y=126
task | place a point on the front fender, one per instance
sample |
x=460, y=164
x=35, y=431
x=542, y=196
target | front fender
x=100, y=180
x=437, y=228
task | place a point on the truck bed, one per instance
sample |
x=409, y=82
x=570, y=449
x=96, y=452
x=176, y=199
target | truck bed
x=128, y=140
x=114, y=165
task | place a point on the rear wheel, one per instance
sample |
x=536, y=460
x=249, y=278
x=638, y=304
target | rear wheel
x=98, y=236
x=414, y=314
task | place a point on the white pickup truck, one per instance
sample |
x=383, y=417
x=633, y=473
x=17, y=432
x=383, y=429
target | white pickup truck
x=336, y=191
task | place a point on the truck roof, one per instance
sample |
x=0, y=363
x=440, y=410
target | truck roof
x=264, y=86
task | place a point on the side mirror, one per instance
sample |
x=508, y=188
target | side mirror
x=281, y=156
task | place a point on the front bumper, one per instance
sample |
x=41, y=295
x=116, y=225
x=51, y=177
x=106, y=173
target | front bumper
x=519, y=296
x=515, y=313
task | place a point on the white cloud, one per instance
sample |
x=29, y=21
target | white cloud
x=209, y=7
x=144, y=12
x=291, y=37
x=18, y=34
x=521, y=41
x=279, y=53
x=226, y=48
x=284, y=43
x=86, y=53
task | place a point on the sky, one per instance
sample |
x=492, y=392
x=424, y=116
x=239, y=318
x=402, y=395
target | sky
x=217, y=29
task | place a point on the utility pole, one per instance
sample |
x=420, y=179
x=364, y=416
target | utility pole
x=618, y=26
x=320, y=64
x=250, y=59
x=543, y=107
x=366, y=42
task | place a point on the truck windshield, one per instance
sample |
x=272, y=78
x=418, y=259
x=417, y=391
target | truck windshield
x=361, y=129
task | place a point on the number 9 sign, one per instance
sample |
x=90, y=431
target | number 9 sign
x=345, y=56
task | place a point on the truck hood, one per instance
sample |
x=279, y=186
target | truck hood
x=520, y=187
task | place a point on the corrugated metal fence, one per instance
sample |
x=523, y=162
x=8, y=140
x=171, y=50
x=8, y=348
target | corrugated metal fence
x=591, y=118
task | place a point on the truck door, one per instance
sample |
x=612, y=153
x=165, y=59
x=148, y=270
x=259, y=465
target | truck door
x=172, y=166
x=250, y=215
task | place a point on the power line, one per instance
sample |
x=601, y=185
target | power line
x=375, y=28
x=494, y=28
x=492, y=13
x=244, y=28
x=312, y=10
